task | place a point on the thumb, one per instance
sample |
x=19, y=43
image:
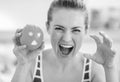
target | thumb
x=34, y=54
x=88, y=56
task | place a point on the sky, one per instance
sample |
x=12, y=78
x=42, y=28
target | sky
x=17, y=13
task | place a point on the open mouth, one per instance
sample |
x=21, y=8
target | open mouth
x=65, y=49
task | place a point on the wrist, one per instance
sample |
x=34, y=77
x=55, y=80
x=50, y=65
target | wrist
x=23, y=65
x=110, y=66
x=25, y=61
x=111, y=73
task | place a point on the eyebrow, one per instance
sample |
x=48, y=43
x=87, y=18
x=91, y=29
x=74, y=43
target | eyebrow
x=60, y=26
x=77, y=27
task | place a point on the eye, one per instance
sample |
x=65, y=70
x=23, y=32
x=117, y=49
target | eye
x=59, y=29
x=76, y=31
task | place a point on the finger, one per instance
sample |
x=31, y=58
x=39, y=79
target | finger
x=41, y=47
x=34, y=53
x=18, y=48
x=18, y=30
x=16, y=39
x=18, y=34
x=21, y=47
x=113, y=52
x=96, y=38
x=106, y=40
x=31, y=56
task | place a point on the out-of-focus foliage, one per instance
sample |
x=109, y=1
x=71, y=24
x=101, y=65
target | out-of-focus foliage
x=105, y=19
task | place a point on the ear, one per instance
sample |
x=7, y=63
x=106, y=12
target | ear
x=48, y=27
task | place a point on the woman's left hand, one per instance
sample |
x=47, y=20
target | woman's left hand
x=104, y=54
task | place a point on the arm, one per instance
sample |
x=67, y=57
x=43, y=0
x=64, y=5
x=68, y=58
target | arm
x=97, y=72
x=104, y=74
x=105, y=56
x=22, y=74
x=111, y=73
x=26, y=60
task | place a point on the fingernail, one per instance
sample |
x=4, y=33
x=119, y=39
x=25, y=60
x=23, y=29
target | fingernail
x=91, y=35
x=102, y=32
x=19, y=33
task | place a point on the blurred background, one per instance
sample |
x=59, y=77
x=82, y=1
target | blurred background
x=105, y=16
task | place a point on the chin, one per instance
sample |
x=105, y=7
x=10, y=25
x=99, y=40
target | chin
x=64, y=51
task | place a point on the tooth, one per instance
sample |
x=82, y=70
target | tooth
x=67, y=46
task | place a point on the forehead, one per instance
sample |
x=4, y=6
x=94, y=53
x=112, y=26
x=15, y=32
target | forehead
x=68, y=17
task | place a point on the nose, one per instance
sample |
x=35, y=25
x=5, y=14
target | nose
x=67, y=37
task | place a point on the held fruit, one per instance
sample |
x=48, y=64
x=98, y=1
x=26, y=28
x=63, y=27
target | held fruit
x=32, y=37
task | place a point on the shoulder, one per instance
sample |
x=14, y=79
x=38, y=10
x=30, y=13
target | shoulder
x=47, y=54
x=47, y=51
x=97, y=72
x=80, y=57
x=44, y=56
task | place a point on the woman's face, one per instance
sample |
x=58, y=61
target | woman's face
x=67, y=30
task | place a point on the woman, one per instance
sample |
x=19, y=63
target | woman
x=67, y=26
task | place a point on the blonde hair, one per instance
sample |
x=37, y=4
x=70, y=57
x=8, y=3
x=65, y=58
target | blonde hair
x=68, y=4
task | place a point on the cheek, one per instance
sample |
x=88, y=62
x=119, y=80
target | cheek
x=55, y=38
x=78, y=41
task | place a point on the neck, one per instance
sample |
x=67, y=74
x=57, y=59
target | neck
x=64, y=62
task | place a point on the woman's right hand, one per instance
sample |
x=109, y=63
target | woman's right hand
x=21, y=52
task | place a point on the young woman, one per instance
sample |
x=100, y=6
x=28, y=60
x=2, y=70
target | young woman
x=67, y=26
